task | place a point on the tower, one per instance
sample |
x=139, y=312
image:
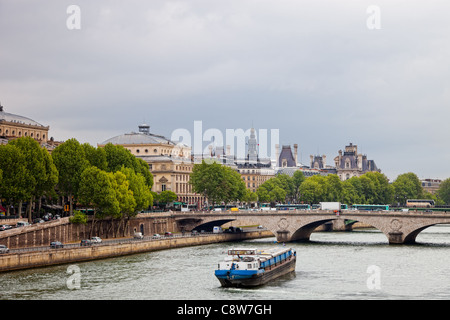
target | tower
x=252, y=146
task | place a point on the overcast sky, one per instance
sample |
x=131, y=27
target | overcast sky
x=325, y=73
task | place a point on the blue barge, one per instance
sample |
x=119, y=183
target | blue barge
x=253, y=267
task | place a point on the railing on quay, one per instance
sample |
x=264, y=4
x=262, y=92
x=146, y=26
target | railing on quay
x=110, y=241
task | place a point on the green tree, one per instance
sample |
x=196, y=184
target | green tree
x=17, y=183
x=312, y=190
x=205, y=180
x=232, y=185
x=95, y=156
x=350, y=194
x=297, y=180
x=383, y=191
x=97, y=191
x=35, y=167
x=124, y=197
x=141, y=191
x=70, y=161
x=167, y=196
x=217, y=182
x=407, y=186
x=273, y=190
x=117, y=157
x=286, y=183
x=78, y=218
x=443, y=192
x=332, y=187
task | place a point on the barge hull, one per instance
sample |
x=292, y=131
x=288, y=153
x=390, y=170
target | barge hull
x=261, y=278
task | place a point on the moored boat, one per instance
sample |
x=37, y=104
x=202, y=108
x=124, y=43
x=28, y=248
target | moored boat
x=254, y=267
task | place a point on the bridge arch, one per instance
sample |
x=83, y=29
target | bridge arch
x=303, y=233
x=398, y=227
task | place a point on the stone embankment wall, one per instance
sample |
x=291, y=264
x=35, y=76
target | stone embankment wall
x=41, y=234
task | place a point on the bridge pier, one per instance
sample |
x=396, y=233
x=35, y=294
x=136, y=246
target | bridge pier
x=395, y=237
x=283, y=236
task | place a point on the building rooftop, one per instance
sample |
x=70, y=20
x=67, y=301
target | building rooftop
x=10, y=117
x=142, y=137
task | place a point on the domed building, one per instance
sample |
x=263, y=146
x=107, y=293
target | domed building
x=13, y=126
x=169, y=162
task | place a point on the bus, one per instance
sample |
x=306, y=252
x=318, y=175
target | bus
x=419, y=203
x=293, y=206
x=370, y=207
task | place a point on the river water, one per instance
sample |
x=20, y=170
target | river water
x=334, y=265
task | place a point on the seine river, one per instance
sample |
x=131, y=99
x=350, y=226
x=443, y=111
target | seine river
x=334, y=265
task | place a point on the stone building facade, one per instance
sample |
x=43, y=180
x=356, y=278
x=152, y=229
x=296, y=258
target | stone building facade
x=13, y=126
x=169, y=162
x=350, y=163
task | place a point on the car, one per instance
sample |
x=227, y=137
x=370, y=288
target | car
x=22, y=224
x=96, y=240
x=5, y=227
x=138, y=235
x=56, y=245
x=194, y=233
x=156, y=236
x=168, y=234
x=3, y=249
x=85, y=243
x=38, y=220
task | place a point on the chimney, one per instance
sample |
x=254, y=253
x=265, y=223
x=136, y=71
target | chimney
x=295, y=153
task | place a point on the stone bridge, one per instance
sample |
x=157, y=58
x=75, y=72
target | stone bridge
x=399, y=227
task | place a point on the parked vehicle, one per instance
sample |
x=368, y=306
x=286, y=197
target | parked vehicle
x=138, y=235
x=168, y=234
x=194, y=233
x=56, y=245
x=3, y=249
x=156, y=236
x=21, y=224
x=96, y=240
x=5, y=227
x=85, y=243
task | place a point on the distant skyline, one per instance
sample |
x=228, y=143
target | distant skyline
x=324, y=74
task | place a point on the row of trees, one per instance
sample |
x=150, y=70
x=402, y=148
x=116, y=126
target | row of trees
x=369, y=188
x=110, y=180
x=219, y=184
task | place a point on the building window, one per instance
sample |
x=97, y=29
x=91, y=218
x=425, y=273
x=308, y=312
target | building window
x=163, y=187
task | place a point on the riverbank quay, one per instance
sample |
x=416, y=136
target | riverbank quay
x=110, y=249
